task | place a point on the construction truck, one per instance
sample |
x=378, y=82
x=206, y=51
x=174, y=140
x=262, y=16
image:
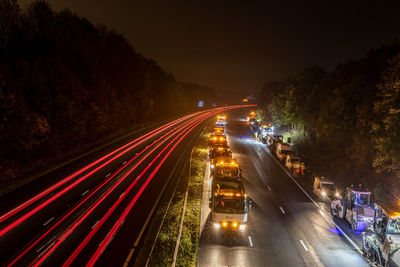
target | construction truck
x=283, y=150
x=229, y=205
x=219, y=152
x=226, y=167
x=274, y=141
x=382, y=247
x=217, y=140
x=293, y=163
x=221, y=120
x=252, y=115
x=266, y=133
x=218, y=130
x=355, y=208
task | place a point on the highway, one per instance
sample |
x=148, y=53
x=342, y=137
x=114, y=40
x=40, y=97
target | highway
x=94, y=211
x=285, y=227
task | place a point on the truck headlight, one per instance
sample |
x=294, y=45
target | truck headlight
x=212, y=166
x=224, y=224
x=216, y=225
x=242, y=227
x=235, y=224
x=337, y=194
x=324, y=193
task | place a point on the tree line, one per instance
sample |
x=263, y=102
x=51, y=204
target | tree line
x=345, y=123
x=65, y=83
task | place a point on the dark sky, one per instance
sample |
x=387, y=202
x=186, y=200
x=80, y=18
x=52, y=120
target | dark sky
x=239, y=45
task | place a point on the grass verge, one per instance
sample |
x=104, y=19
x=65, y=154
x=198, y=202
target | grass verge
x=169, y=214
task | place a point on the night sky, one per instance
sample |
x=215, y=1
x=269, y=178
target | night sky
x=239, y=45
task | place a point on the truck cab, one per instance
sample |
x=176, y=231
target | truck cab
x=219, y=152
x=382, y=247
x=221, y=121
x=217, y=140
x=226, y=167
x=229, y=205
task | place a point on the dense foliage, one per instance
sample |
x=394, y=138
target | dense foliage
x=65, y=83
x=346, y=122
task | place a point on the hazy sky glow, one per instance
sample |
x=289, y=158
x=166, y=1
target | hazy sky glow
x=239, y=45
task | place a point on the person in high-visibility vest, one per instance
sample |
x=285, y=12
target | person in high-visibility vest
x=302, y=168
x=255, y=135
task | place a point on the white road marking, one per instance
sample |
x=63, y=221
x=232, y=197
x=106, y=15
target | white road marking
x=304, y=245
x=124, y=162
x=323, y=213
x=269, y=188
x=84, y=193
x=46, y=244
x=108, y=174
x=46, y=223
x=94, y=225
x=250, y=241
x=282, y=210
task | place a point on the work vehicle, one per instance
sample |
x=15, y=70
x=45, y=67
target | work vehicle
x=274, y=141
x=283, y=150
x=355, y=208
x=219, y=152
x=325, y=189
x=226, y=167
x=229, y=205
x=217, y=140
x=267, y=131
x=382, y=247
x=252, y=115
x=293, y=164
x=221, y=120
x=218, y=130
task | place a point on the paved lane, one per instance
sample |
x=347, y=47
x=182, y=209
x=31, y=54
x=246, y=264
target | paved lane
x=285, y=227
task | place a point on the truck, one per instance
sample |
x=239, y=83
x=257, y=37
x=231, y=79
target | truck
x=355, y=208
x=226, y=167
x=283, y=150
x=293, y=163
x=219, y=152
x=221, y=121
x=267, y=131
x=217, y=140
x=229, y=205
x=382, y=247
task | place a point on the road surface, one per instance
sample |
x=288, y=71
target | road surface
x=94, y=210
x=285, y=227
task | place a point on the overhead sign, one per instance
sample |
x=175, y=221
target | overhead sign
x=200, y=104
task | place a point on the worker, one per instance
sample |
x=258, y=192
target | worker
x=302, y=168
x=255, y=135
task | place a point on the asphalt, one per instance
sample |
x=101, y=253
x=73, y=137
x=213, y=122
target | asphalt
x=46, y=225
x=285, y=226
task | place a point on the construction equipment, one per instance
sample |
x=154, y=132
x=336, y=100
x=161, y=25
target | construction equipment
x=217, y=140
x=218, y=130
x=221, y=120
x=226, y=167
x=229, y=205
x=219, y=152
x=283, y=150
x=293, y=164
x=267, y=131
x=382, y=247
x=355, y=207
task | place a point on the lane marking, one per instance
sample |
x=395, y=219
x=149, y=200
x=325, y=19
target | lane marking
x=282, y=210
x=269, y=188
x=304, y=245
x=250, y=241
x=84, y=193
x=94, y=225
x=108, y=174
x=46, y=223
x=123, y=163
x=323, y=213
x=38, y=250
